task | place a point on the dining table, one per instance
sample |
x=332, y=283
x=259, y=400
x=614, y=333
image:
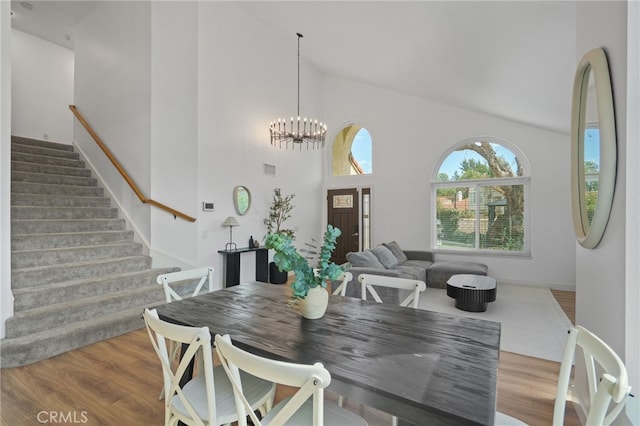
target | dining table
x=421, y=366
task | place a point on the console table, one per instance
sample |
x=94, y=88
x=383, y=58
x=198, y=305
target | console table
x=232, y=264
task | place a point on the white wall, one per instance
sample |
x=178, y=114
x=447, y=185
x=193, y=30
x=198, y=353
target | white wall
x=410, y=135
x=608, y=287
x=113, y=92
x=600, y=273
x=246, y=78
x=632, y=296
x=174, y=143
x=6, y=297
x=42, y=86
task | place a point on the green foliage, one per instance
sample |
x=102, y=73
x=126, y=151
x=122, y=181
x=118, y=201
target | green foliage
x=449, y=220
x=287, y=258
x=279, y=212
x=474, y=169
x=443, y=177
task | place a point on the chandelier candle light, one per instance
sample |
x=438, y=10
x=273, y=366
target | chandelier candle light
x=298, y=131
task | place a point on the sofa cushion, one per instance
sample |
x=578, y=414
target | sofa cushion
x=412, y=272
x=364, y=259
x=384, y=255
x=396, y=250
x=440, y=272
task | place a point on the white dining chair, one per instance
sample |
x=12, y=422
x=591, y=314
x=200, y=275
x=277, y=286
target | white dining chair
x=370, y=281
x=607, y=379
x=205, y=399
x=306, y=407
x=170, y=283
x=169, y=280
x=342, y=288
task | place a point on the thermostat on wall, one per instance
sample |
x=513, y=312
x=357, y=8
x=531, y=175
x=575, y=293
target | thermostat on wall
x=207, y=207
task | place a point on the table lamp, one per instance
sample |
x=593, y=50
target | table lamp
x=230, y=222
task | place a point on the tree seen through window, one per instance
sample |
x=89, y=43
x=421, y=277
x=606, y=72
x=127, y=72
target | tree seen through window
x=480, y=199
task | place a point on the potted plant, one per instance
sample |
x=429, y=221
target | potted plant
x=279, y=212
x=310, y=282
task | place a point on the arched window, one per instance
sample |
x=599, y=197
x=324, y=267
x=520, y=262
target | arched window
x=352, y=151
x=480, y=195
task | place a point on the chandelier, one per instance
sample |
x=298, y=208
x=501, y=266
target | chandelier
x=298, y=130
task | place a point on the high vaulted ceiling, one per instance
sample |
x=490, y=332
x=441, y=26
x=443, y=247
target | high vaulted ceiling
x=511, y=59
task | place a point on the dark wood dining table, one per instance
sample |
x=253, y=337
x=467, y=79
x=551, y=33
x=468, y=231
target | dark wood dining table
x=423, y=367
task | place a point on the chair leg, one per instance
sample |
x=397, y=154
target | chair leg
x=394, y=421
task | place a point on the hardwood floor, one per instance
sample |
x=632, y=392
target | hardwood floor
x=117, y=382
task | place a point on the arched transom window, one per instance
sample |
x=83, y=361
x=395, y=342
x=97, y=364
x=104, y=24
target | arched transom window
x=480, y=198
x=352, y=151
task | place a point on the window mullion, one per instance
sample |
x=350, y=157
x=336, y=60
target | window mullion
x=477, y=213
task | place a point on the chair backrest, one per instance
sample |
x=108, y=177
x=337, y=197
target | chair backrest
x=309, y=379
x=368, y=281
x=198, y=340
x=342, y=288
x=204, y=274
x=607, y=378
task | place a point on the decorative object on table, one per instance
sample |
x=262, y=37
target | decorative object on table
x=251, y=242
x=230, y=222
x=309, y=287
x=279, y=212
x=296, y=131
x=256, y=244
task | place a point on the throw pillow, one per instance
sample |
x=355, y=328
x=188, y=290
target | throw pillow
x=385, y=257
x=397, y=251
x=364, y=259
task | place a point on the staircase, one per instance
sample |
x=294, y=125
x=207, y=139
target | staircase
x=77, y=276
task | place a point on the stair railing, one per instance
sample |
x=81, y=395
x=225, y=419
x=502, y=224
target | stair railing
x=123, y=172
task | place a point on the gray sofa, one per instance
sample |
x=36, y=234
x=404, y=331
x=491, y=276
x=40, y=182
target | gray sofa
x=390, y=260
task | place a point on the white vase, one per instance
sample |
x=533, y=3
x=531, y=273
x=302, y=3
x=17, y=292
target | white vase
x=315, y=304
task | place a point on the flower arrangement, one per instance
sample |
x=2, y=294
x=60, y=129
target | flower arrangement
x=287, y=258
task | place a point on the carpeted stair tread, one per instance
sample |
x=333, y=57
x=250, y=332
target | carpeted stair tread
x=35, y=226
x=54, y=256
x=68, y=239
x=46, y=161
x=43, y=144
x=33, y=167
x=33, y=277
x=59, y=292
x=46, y=344
x=42, y=200
x=51, y=189
x=44, y=151
x=40, y=212
x=17, y=176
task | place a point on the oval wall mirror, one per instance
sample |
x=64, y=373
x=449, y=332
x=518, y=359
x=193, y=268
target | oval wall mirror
x=241, y=199
x=593, y=148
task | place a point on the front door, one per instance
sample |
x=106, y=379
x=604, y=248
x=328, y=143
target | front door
x=343, y=213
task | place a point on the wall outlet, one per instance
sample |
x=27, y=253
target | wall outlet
x=207, y=207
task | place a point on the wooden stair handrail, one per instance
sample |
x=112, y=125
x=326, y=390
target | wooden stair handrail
x=123, y=172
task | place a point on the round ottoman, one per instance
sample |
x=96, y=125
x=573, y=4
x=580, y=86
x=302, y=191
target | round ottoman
x=472, y=292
